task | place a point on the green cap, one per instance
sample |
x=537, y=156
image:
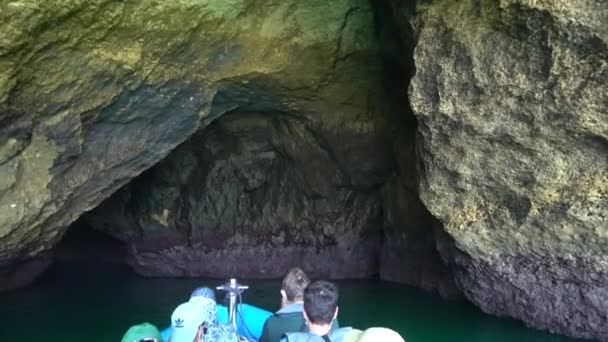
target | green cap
x=141, y=331
x=373, y=335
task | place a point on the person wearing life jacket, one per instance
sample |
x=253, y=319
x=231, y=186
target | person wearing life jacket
x=289, y=318
x=320, y=311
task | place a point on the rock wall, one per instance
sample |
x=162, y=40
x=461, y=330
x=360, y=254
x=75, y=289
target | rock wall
x=294, y=142
x=258, y=192
x=255, y=194
x=92, y=93
x=511, y=98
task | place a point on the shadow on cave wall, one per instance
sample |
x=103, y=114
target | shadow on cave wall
x=409, y=254
x=82, y=242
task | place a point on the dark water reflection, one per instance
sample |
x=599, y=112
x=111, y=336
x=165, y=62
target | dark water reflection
x=98, y=302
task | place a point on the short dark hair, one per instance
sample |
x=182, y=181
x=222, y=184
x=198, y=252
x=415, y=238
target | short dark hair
x=321, y=301
x=294, y=283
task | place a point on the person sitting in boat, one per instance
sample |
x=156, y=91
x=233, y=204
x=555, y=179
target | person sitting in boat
x=249, y=321
x=320, y=311
x=289, y=318
x=196, y=320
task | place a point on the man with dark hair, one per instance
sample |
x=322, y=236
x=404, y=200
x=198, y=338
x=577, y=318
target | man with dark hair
x=289, y=318
x=320, y=312
x=292, y=288
x=321, y=305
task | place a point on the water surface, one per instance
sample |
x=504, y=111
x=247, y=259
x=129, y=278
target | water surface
x=97, y=302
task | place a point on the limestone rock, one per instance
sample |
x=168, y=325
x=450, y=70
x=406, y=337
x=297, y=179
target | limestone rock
x=254, y=194
x=92, y=93
x=512, y=102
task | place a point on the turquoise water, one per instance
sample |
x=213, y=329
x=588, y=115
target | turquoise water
x=80, y=302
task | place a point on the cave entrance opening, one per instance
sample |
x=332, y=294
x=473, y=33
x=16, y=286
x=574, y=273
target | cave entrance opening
x=282, y=187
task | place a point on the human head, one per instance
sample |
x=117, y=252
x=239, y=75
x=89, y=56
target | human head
x=373, y=335
x=294, y=283
x=321, y=302
x=188, y=317
x=206, y=298
x=202, y=292
x=141, y=332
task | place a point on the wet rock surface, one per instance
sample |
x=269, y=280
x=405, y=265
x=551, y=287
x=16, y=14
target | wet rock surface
x=243, y=137
x=253, y=195
x=331, y=187
x=94, y=93
x=511, y=100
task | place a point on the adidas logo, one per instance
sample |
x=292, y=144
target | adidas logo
x=179, y=323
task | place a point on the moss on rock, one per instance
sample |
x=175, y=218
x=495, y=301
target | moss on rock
x=511, y=101
x=103, y=90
